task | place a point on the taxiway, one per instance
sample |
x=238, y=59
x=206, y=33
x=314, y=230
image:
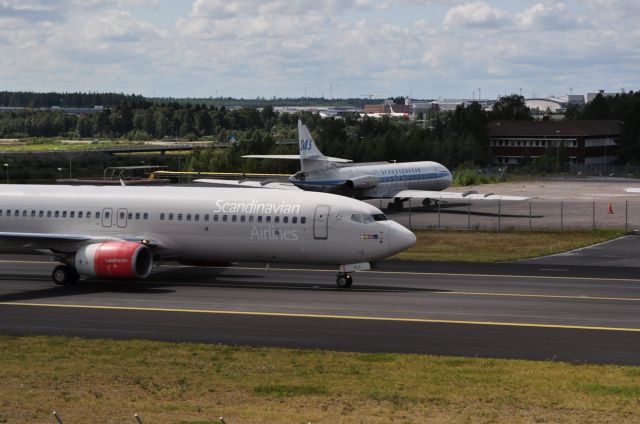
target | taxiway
x=517, y=310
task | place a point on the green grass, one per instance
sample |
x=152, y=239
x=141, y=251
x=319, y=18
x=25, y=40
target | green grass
x=52, y=145
x=488, y=246
x=110, y=381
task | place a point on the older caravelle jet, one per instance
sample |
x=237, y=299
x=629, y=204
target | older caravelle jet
x=119, y=232
x=399, y=181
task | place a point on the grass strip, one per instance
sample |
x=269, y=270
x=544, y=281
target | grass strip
x=491, y=246
x=110, y=381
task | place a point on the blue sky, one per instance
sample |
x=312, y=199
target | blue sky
x=249, y=48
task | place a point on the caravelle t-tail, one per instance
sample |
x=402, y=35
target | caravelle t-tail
x=119, y=232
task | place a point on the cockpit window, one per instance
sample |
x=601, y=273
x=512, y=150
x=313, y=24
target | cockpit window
x=366, y=219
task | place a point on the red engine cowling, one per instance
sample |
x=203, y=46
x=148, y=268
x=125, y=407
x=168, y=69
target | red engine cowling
x=114, y=259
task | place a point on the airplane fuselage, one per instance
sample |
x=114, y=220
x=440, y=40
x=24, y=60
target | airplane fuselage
x=375, y=180
x=205, y=224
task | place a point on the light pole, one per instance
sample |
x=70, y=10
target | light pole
x=59, y=173
x=558, y=148
x=6, y=166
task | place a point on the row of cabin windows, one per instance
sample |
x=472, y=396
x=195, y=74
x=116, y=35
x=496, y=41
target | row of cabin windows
x=234, y=218
x=144, y=215
x=402, y=171
x=70, y=214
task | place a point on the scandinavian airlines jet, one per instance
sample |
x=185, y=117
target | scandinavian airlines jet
x=120, y=232
x=400, y=181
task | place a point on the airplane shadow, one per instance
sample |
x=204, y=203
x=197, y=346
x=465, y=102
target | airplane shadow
x=169, y=281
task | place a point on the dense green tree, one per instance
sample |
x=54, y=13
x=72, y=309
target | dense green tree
x=203, y=122
x=511, y=108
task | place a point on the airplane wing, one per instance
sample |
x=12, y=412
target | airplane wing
x=248, y=183
x=297, y=157
x=61, y=242
x=632, y=190
x=451, y=195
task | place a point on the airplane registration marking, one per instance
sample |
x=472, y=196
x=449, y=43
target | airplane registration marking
x=325, y=316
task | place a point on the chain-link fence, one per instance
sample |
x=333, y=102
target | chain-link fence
x=604, y=171
x=534, y=215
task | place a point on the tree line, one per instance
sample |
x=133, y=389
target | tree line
x=456, y=138
x=31, y=99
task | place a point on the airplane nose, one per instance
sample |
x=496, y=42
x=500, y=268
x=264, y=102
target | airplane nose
x=401, y=239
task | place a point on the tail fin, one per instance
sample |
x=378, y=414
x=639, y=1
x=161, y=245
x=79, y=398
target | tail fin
x=308, y=148
x=311, y=157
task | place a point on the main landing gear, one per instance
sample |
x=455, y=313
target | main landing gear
x=64, y=275
x=397, y=204
x=344, y=280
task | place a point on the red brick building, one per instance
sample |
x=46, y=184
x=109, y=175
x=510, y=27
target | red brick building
x=587, y=142
x=386, y=108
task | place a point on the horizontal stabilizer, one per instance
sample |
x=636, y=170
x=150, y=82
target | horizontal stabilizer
x=287, y=157
x=451, y=195
x=248, y=183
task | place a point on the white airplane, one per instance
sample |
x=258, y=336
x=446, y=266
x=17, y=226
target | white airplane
x=632, y=190
x=391, y=114
x=398, y=114
x=120, y=232
x=399, y=181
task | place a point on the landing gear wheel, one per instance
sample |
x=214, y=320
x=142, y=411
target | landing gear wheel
x=63, y=275
x=344, y=281
x=426, y=203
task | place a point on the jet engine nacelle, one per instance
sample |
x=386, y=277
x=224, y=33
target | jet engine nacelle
x=114, y=259
x=363, y=182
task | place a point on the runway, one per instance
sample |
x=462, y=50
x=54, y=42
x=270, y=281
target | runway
x=544, y=312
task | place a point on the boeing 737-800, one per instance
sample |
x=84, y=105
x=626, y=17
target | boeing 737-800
x=119, y=232
x=399, y=181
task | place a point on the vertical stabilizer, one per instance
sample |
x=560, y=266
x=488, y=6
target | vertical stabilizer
x=311, y=158
x=308, y=148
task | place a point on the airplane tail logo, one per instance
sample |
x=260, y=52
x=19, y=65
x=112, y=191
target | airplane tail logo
x=311, y=158
x=308, y=148
x=305, y=145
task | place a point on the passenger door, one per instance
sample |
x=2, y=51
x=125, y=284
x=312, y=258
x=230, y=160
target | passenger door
x=321, y=223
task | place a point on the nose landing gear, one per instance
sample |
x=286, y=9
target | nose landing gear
x=344, y=280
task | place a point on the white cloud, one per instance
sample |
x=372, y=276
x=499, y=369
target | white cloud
x=548, y=16
x=250, y=47
x=479, y=14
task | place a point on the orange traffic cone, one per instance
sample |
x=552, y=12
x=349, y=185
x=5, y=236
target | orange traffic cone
x=610, y=209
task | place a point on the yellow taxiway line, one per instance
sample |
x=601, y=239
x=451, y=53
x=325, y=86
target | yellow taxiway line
x=326, y=316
